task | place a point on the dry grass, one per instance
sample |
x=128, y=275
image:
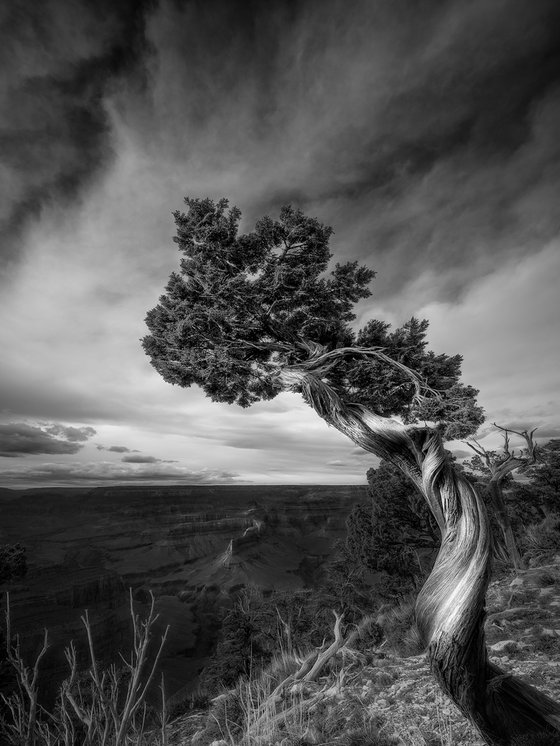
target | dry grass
x=339, y=710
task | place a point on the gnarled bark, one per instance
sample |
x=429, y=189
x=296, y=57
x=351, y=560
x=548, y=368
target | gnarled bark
x=450, y=608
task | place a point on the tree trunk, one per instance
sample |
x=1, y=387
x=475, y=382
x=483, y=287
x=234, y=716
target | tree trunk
x=450, y=607
x=502, y=516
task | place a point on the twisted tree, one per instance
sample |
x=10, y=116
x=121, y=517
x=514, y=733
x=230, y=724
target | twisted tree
x=498, y=466
x=248, y=316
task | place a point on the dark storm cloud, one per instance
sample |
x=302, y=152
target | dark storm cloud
x=425, y=132
x=20, y=439
x=58, y=59
x=92, y=473
x=73, y=434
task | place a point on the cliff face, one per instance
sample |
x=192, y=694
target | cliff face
x=191, y=546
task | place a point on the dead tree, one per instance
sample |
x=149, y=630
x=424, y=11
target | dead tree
x=499, y=466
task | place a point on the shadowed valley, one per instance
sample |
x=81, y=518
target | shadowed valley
x=194, y=547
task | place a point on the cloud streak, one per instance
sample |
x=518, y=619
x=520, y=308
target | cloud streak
x=105, y=472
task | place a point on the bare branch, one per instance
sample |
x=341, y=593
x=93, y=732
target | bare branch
x=480, y=451
x=531, y=454
x=324, y=657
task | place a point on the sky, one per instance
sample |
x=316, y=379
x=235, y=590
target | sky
x=425, y=132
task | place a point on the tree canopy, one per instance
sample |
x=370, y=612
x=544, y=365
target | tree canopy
x=244, y=306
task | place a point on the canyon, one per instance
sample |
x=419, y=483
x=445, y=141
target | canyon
x=192, y=547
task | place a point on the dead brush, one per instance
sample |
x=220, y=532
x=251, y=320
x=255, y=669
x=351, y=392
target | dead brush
x=282, y=666
x=399, y=628
x=542, y=540
x=100, y=707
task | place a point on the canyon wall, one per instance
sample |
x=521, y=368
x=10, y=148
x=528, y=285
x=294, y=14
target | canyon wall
x=193, y=547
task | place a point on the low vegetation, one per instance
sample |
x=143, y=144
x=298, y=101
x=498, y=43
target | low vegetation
x=13, y=562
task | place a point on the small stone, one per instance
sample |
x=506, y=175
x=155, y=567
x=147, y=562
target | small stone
x=504, y=646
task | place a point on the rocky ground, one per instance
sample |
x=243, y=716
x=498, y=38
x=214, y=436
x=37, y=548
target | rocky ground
x=393, y=698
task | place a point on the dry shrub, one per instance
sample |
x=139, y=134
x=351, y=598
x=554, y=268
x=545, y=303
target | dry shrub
x=281, y=666
x=542, y=540
x=400, y=629
x=97, y=706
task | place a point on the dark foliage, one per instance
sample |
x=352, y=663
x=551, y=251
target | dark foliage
x=225, y=721
x=533, y=504
x=13, y=562
x=525, y=505
x=259, y=625
x=390, y=532
x=544, y=476
x=541, y=541
x=237, y=653
x=347, y=587
x=243, y=307
x=388, y=391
